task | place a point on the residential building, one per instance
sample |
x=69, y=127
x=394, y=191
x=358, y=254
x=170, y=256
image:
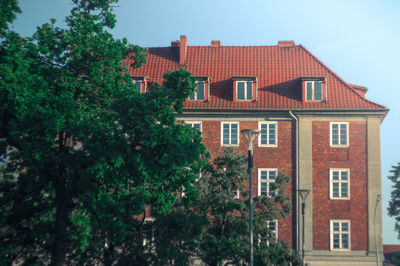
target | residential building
x=315, y=126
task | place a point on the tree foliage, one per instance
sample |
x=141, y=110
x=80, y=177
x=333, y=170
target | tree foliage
x=394, y=203
x=87, y=151
x=215, y=228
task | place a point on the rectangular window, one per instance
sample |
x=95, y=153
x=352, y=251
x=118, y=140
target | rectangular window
x=273, y=226
x=229, y=133
x=148, y=234
x=340, y=235
x=195, y=124
x=340, y=183
x=266, y=177
x=268, y=135
x=198, y=95
x=138, y=84
x=340, y=134
x=244, y=90
x=314, y=90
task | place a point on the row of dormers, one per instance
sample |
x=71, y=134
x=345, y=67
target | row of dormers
x=245, y=88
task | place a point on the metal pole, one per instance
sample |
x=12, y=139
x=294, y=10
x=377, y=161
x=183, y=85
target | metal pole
x=303, y=208
x=250, y=163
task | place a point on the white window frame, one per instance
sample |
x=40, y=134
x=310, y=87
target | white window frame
x=347, y=135
x=340, y=232
x=192, y=123
x=268, y=181
x=195, y=92
x=313, y=90
x=230, y=133
x=340, y=181
x=260, y=123
x=245, y=90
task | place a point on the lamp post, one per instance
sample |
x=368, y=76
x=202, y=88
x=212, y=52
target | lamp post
x=303, y=195
x=250, y=135
x=378, y=198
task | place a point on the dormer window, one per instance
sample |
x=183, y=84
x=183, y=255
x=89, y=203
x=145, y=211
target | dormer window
x=140, y=83
x=244, y=88
x=202, y=90
x=314, y=89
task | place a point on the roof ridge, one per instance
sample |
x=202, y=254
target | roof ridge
x=339, y=78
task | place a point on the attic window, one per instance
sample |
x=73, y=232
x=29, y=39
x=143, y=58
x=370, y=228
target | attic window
x=202, y=90
x=244, y=88
x=140, y=83
x=314, y=89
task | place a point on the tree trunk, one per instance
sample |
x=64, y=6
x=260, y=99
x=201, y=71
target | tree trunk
x=59, y=251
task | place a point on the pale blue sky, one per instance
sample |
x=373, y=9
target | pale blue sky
x=357, y=39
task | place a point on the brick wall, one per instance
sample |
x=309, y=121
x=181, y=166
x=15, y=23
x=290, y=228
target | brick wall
x=280, y=157
x=355, y=209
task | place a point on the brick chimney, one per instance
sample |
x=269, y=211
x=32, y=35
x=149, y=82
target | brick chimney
x=215, y=43
x=182, y=50
x=285, y=43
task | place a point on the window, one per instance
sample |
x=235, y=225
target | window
x=229, y=133
x=273, y=226
x=266, y=177
x=339, y=134
x=340, y=184
x=139, y=84
x=195, y=124
x=198, y=95
x=268, y=135
x=313, y=90
x=340, y=235
x=148, y=234
x=244, y=90
x=236, y=193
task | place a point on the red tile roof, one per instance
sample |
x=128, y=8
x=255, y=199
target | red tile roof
x=277, y=68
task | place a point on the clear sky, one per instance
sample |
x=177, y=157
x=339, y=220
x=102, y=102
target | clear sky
x=357, y=39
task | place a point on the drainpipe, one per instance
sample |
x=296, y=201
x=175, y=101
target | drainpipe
x=297, y=179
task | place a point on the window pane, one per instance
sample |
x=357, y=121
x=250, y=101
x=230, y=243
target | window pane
x=263, y=188
x=138, y=84
x=191, y=97
x=197, y=127
x=263, y=134
x=335, y=134
x=343, y=134
x=200, y=90
x=335, y=226
x=309, y=91
x=335, y=190
x=345, y=241
x=345, y=227
x=344, y=175
x=336, y=241
x=335, y=175
x=249, y=90
x=272, y=175
x=344, y=190
x=225, y=134
x=234, y=134
x=272, y=134
x=317, y=91
x=264, y=175
x=240, y=90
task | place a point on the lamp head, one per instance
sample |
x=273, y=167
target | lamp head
x=250, y=135
x=303, y=193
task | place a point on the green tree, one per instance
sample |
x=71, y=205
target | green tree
x=215, y=227
x=394, y=203
x=88, y=152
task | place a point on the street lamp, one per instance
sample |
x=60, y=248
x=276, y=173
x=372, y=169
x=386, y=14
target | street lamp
x=303, y=195
x=378, y=198
x=250, y=135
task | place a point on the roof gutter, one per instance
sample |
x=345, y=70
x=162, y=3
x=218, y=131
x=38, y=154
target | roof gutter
x=297, y=179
